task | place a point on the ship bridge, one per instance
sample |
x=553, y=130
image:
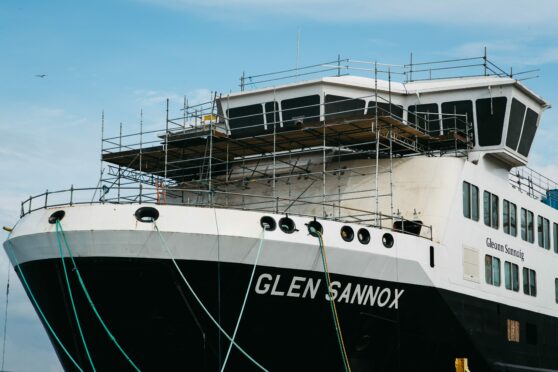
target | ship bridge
x=502, y=113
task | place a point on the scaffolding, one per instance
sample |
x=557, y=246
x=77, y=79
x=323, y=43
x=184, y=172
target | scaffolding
x=336, y=164
x=200, y=160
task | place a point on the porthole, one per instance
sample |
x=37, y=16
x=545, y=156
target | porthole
x=314, y=227
x=147, y=214
x=287, y=225
x=347, y=233
x=268, y=223
x=56, y=216
x=387, y=240
x=363, y=236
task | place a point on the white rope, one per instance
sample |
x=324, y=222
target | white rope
x=201, y=303
x=245, y=299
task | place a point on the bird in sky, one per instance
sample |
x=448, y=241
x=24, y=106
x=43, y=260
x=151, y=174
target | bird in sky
x=41, y=76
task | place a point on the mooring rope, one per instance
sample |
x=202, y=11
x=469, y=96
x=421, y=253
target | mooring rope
x=93, y=307
x=201, y=303
x=76, y=317
x=332, y=304
x=245, y=299
x=6, y=316
x=13, y=257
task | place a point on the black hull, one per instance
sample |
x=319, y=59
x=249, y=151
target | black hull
x=157, y=321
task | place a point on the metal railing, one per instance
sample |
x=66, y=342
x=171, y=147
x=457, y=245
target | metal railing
x=301, y=206
x=405, y=73
x=534, y=184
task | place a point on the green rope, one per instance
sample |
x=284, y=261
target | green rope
x=331, y=299
x=13, y=257
x=245, y=300
x=72, y=297
x=93, y=307
x=201, y=303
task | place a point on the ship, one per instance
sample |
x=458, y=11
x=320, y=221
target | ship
x=344, y=216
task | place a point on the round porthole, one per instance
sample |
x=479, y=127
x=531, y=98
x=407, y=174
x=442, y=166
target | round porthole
x=147, y=214
x=363, y=236
x=387, y=240
x=56, y=216
x=314, y=227
x=287, y=225
x=268, y=223
x=347, y=233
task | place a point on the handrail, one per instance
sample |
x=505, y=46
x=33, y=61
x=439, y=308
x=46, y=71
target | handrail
x=206, y=198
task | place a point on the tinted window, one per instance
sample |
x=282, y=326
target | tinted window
x=510, y=218
x=529, y=282
x=527, y=226
x=529, y=130
x=336, y=106
x=271, y=113
x=246, y=120
x=425, y=117
x=470, y=201
x=306, y=109
x=386, y=109
x=543, y=229
x=456, y=108
x=517, y=113
x=555, y=236
x=492, y=270
x=511, y=276
x=491, y=214
x=490, y=120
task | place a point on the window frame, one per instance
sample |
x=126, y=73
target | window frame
x=509, y=217
x=471, y=201
x=491, y=208
x=543, y=232
x=529, y=282
x=511, y=276
x=527, y=225
x=492, y=270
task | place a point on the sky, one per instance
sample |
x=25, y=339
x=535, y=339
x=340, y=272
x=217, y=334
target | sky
x=123, y=56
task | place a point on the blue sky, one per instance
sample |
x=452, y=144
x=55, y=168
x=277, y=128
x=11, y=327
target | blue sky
x=121, y=56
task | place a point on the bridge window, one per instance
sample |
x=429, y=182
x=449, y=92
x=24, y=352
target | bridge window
x=555, y=229
x=529, y=130
x=510, y=218
x=517, y=114
x=385, y=109
x=470, y=201
x=451, y=118
x=426, y=117
x=492, y=270
x=490, y=202
x=246, y=120
x=272, y=113
x=490, y=120
x=511, y=276
x=543, y=229
x=527, y=226
x=529, y=282
x=300, y=109
x=337, y=106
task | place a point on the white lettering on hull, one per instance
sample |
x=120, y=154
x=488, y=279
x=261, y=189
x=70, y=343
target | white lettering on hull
x=349, y=293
